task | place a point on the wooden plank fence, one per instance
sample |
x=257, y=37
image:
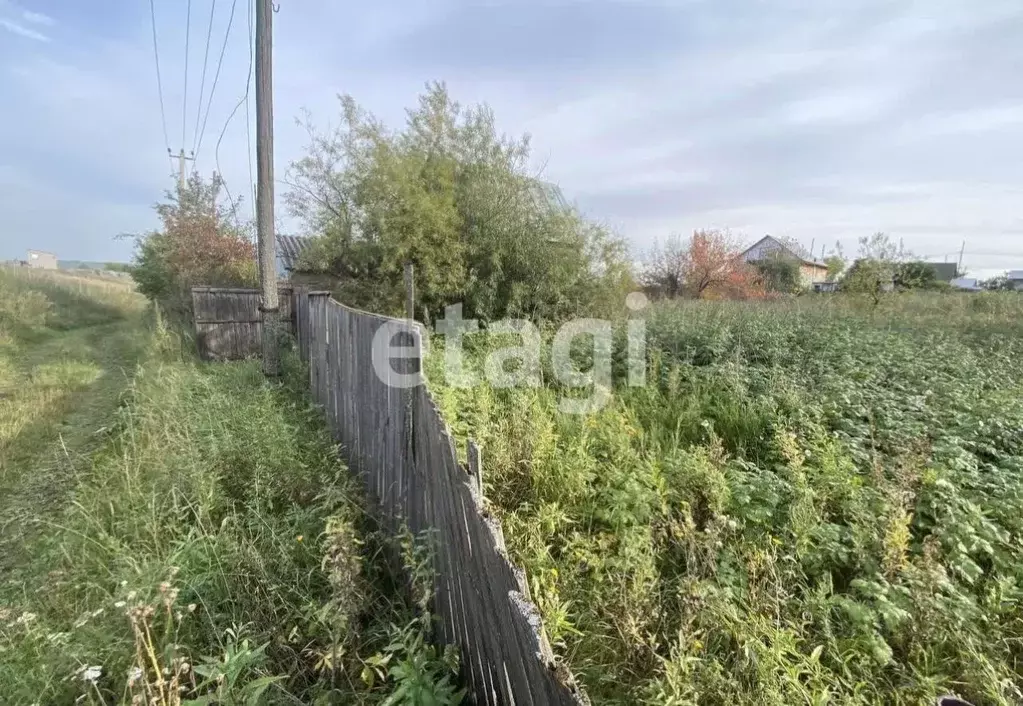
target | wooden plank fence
x=227, y=320
x=396, y=439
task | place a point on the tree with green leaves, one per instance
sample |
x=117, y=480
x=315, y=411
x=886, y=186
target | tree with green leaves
x=999, y=283
x=453, y=196
x=916, y=275
x=836, y=262
x=779, y=272
x=873, y=272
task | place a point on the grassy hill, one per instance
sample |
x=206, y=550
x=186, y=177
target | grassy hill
x=92, y=265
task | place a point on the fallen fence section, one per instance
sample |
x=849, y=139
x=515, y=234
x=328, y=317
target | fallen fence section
x=227, y=320
x=396, y=439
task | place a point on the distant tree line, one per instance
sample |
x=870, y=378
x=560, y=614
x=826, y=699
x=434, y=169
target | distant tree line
x=710, y=264
x=450, y=194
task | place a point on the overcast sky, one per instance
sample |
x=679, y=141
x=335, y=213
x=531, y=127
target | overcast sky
x=819, y=120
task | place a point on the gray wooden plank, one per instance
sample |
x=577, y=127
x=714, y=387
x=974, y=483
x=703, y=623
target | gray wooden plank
x=398, y=442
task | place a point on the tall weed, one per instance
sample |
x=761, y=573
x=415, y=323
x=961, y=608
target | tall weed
x=810, y=502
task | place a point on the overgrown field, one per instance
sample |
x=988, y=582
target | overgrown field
x=810, y=502
x=183, y=533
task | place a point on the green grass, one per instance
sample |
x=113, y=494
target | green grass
x=175, y=530
x=812, y=501
x=68, y=347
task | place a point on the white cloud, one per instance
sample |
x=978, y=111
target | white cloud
x=824, y=122
x=37, y=18
x=979, y=120
x=22, y=30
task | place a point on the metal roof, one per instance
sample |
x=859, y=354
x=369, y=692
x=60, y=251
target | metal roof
x=289, y=247
x=970, y=284
x=791, y=247
x=944, y=271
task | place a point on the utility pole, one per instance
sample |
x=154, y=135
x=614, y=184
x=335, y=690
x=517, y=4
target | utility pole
x=270, y=313
x=181, y=165
x=959, y=267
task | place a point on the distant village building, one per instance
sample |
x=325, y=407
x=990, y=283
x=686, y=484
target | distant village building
x=943, y=271
x=811, y=270
x=967, y=284
x=1014, y=279
x=289, y=249
x=289, y=267
x=42, y=260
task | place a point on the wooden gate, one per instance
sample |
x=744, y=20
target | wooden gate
x=227, y=320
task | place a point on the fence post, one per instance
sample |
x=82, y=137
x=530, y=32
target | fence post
x=410, y=291
x=475, y=457
x=410, y=311
x=318, y=341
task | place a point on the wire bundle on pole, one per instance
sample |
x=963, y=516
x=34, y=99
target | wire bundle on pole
x=203, y=113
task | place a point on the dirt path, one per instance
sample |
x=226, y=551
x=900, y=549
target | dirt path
x=59, y=389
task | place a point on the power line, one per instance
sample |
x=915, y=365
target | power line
x=216, y=76
x=159, y=80
x=202, y=82
x=216, y=151
x=184, y=102
x=244, y=99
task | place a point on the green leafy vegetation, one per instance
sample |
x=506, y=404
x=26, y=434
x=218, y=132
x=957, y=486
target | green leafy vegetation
x=810, y=502
x=453, y=196
x=179, y=533
x=780, y=272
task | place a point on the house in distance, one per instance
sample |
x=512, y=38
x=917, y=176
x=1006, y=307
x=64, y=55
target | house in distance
x=42, y=260
x=289, y=264
x=811, y=270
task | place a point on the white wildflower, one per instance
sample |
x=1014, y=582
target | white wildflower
x=26, y=618
x=91, y=674
x=120, y=604
x=134, y=675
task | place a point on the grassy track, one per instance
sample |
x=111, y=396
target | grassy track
x=68, y=348
x=177, y=533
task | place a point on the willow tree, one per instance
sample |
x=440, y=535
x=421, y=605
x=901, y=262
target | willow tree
x=455, y=197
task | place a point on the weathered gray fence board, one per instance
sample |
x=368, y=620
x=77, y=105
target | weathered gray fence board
x=227, y=320
x=397, y=441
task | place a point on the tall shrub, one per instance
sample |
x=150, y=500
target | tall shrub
x=200, y=242
x=455, y=197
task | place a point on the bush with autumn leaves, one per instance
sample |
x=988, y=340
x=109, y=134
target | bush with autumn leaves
x=201, y=242
x=709, y=265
